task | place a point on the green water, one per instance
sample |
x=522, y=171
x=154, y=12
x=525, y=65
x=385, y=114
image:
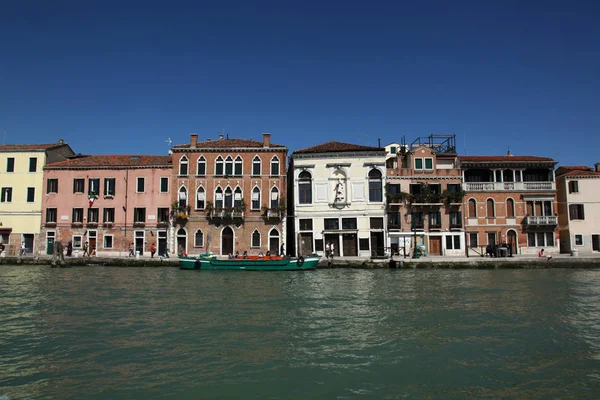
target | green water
x=127, y=333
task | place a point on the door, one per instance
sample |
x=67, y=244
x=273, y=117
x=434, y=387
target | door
x=139, y=242
x=227, y=241
x=28, y=239
x=162, y=242
x=50, y=243
x=435, y=245
x=349, y=243
x=333, y=239
x=595, y=242
x=512, y=242
x=306, y=244
x=377, y=244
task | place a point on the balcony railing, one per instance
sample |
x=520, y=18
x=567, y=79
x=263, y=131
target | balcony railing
x=455, y=225
x=436, y=226
x=508, y=186
x=541, y=220
x=394, y=227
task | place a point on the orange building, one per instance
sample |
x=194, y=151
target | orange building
x=229, y=196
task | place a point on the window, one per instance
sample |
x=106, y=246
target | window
x=51, y=215
x=77, y=240
x=435, y=188
x=394, y=220
x=183, y=166
x=237, y=198
x=228, y=166
x=275, y=166
x=228, y=198
x=92, y=217
x=108, y=216
x=375, y=186
x=376, y=223
x=491, y=237
x=10, y=164
x=576, y=212
x=139, y=215
x=164, y=184
x=219, y=166
x=78, y=185
x=349, y=223
x=140, y=186
x=573, y=187
x=393, y=188
x=429, y=163
x=218, y=198
x=255, y=199
x=455, y=219
x=182, y=196
x=415, y=188
x=490, y=208
x=510, y=208
x=417, y=221
x=30, y=194
x=595, y=242
x=274, y=198
x=331, y=224
x=578, y=240
x=418, y=163
x=77, y=216
x=473, y=240
x=255, y=239
x=453, y=187
x=109, y=186
x=453, y=242
x=200, y=198
x=6, y=195
x=198, y=239
x=304, y=188
x=256, y=166
x=32, y=164
x=162, y=215
x=93, y=186
x=549, y=239
x=201, y=168
x=108, y=242
x=540, y=239
x=363, y=244
x=306, y=224
x=52, y=186
x=393, y=149
x=435, y=220
x=237, y=167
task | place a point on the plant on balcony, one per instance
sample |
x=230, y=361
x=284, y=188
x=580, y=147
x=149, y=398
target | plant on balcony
x=453, y=197
x=179, y=212
x=395, y=197
x=426, y=196
x=273, y=213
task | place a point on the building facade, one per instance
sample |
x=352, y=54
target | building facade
x=21, y=183
x=111, y=202
x=424, y=197
x=512, y=200
x=578, y=190
x=229, y=196
x=337, y=198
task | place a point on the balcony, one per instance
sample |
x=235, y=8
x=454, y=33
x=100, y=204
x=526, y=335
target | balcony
x=394, y=227
x=548, y=220
x=435, y=226
x=274, y=214
x=218, y=214
x=456, y=225
x=509, y=186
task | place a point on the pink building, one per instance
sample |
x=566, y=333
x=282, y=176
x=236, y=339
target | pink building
x=109, y=201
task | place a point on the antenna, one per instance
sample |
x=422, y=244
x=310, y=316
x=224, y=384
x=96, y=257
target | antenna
x=169, y=142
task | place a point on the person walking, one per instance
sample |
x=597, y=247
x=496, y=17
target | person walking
x=152, y=250
x=69, y=248
x=86, y=248
x=23, y=249
x=131, y=250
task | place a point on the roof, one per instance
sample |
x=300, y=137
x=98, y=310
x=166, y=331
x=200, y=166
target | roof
x=229, y=144
x=112, y=161
x=337, y=147
x=504, y=159
x=575, y=170
x=30, y=147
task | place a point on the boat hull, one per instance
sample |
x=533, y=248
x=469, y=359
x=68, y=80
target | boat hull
x=285, y=264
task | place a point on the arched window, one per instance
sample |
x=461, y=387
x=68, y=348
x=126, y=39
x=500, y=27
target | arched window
x=472, y=208
x=510, y=208
x=256, y=166
x=255, y=239
x=219, y=166
x=274, y=166
x=237, y=167
x=182, y=196
x=183, y=166
x=199, y=239
x=200, y=198
x=304, y=188
x=490, y=208
x=375, y=186
x=218, y=198
x=274, y=198
x=274, y=241
x=228, y=198
x=237, y=198
x=201, y=166
x=228, y=166
x=256, y=198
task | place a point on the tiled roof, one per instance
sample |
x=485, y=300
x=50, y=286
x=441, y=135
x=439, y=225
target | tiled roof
x=116, y=161
x=228, y=144
x=504, y=159
x=580, y=173
x=575, y=170
x=330, y=147
x=29, y=147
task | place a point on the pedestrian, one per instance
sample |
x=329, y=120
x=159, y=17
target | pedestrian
x=327, y=250
x=131, y=250
x=1, y=248
x=152, y=250
x=332, y=248
x=23, y=249
x=86, y=248
x=180, y=251
x=69, y=248
x=282, y=249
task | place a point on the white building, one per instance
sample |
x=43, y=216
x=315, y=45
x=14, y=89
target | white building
x=578, y=190
x=337, y=199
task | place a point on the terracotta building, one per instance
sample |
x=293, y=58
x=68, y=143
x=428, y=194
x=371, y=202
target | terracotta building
x=510, y=199
x=228, y=196
x=109, y=201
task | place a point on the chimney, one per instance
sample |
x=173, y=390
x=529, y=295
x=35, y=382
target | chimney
x=597, y=167
x=60, y=141
x=221, y=137
x=266, y=140
x=193, y=140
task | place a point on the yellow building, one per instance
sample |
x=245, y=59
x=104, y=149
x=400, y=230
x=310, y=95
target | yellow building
x=21, y=191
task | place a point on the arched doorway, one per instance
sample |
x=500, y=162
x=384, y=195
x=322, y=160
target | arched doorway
x=274, y=241
x=227, y=241
x=181, y=241
x=511, y=238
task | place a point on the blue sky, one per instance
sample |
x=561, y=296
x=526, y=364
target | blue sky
x=123, y=77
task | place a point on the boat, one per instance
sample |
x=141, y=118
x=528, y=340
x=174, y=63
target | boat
x=250, y=263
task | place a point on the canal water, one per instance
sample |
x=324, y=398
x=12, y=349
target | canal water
x=162, y=333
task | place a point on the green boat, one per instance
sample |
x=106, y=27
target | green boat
x=251, y=263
